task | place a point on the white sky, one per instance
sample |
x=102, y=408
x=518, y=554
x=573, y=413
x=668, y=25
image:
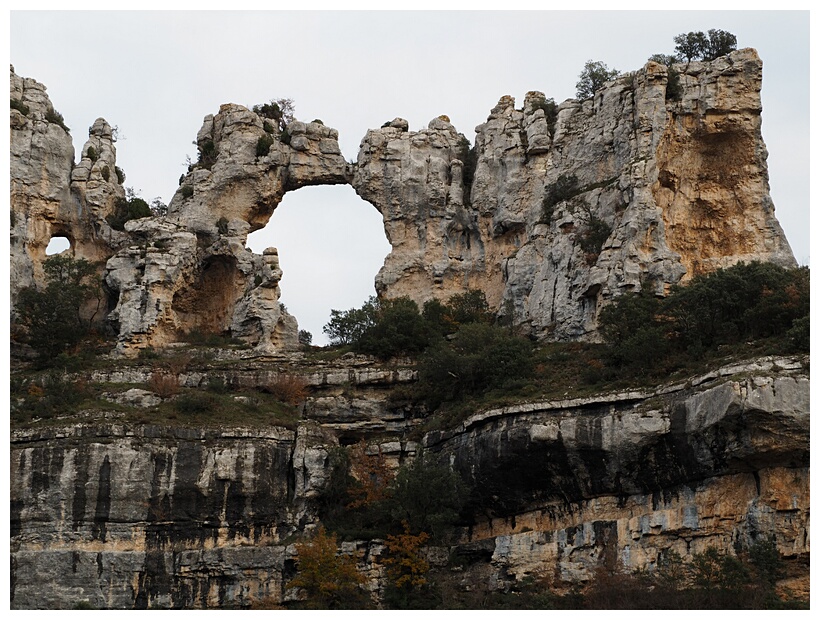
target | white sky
x=155, y=75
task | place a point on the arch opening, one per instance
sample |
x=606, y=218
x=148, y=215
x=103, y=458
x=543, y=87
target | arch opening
x=57, y=245
x=331, y=246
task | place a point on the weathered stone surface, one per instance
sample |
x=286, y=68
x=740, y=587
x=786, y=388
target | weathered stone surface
x=146, y=516
x=50, y=196
x=681, y=186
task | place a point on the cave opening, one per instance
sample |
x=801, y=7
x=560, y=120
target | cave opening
x=331, y=246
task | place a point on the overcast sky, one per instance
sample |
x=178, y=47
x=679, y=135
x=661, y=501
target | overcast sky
x=155, y=75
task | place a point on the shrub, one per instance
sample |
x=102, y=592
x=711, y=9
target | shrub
x=120, y=175
x=347, y=326
x=187, y=191
x=222, y=225
x=468, y=155
x=674, y=89
x=461, y=309
x=594, y=75
x=127, y=209
x=328, y=579
x=263, y=145
x=53, y=316
x=564, y=188
x=207, y=154
x=163, y=383
x=53, y=116
x=195, y=403
x=18, y=105
x=290, y=389
x=284, y=137
x=398, y=329
x=595, y=234
x=305, y=337
x=106, y=173
x=550, y=109
x=280, y=111
x=91, y=153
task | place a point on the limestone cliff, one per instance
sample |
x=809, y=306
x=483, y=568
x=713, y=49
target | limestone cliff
x=556, y=210
x=631, y=188
x=135, y=516
x=50, y=196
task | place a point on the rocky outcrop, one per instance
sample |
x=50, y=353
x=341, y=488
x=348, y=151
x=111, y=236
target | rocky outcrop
x=50, y=196
x=632, y=188
x=555, y=212
x=126, y=516
x=191, y=271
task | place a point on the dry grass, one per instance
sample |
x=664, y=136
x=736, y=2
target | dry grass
x=290, y=389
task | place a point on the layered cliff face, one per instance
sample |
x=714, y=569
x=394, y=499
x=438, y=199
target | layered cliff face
x=626, y=190
x=135, y=516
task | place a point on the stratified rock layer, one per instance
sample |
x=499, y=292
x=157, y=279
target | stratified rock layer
x=146, y=516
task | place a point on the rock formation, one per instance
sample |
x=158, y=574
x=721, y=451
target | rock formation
x=557, y=210
x=50, y=196
x=136, y=516
x=632, y=188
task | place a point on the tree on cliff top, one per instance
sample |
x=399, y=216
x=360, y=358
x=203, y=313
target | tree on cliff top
x=592, y=78
x=698, y=46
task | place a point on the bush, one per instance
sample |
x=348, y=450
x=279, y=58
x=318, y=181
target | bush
x=187, y=191
x=329, y=580
x=461, y=309
x=263, y=145
x=18, y=105
x=732, y=305
x=468, y=155
x=53, y=316
x=280, y=111
x=91, y=153
x=222, y=225
x=595, y=234
x=305, y=337
x=594, y=75
x=194, y=403
x=53, y=116
x=289, y=389
x=207, y=154
x=564, y=188
x=106, y=173
x=398, y=329
x=120, y=175
x=164, y=384
x=478, y=358
x=126, y=209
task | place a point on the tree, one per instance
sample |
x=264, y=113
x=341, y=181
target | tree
x=690, y=46
x=592, y=78
x=427, y=497
x=329, y=580
x=720, y=43
x=698, y=46
x=53, y=316
x=407, y=585
x=280, y=111
x=347, y=326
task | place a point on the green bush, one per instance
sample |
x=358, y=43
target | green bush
x=461, y=308
x=207, y=154
x=732, y=305
x=91, y=153
x=18, y=105
x=263, y=145
x=550, y=109
x=398, y=329
x=477, y=358
x=564, y=188
x=222, y=225
x=120, y=175
x=53, y=316
x=53, y=116
x=193, y=403
x=468, y=155
x=106, y=173
x=187, y=191
x=126, y=209
x=596, y=232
